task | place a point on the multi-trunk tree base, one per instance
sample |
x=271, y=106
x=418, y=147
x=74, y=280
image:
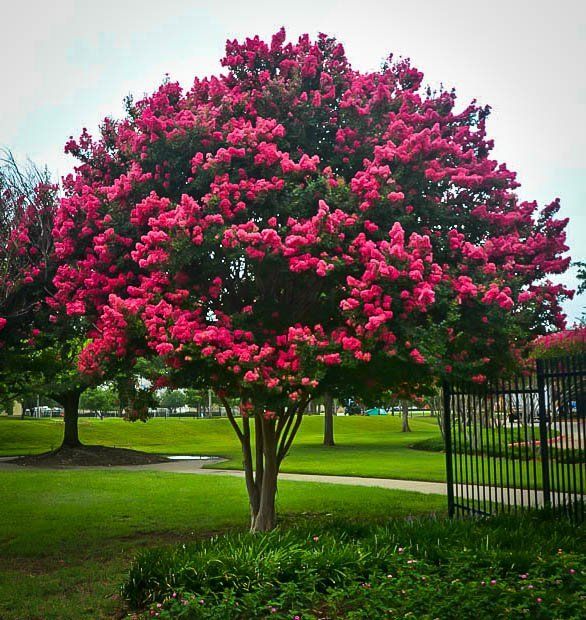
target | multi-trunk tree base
x=262, y=458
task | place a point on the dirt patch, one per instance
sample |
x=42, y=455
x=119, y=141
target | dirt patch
x=100, y=456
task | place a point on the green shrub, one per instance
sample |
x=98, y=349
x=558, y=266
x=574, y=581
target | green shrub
x=422, y=568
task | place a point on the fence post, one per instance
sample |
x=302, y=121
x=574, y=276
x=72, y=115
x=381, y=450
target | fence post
x=543, y=435
x=447, y=424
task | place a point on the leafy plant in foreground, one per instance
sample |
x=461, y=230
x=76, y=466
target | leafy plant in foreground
x=504, y=567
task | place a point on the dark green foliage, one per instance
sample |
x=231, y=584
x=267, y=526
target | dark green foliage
x=581, y=276
x=172, y=399
x=504, y=567
x=524, y=451
x=100, y=399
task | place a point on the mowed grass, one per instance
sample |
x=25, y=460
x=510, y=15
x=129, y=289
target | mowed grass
x=365, y=446
x=67, y=537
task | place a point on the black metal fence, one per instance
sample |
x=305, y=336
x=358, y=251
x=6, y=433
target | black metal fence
x=518, y=443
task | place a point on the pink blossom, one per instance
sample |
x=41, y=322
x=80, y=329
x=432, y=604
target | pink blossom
x=269, y=261
x=417, y=357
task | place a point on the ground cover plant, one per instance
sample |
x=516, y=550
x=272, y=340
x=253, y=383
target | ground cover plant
x=67, y=537
x=533, y=567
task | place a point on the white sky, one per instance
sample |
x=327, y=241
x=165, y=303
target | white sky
x=69, y=63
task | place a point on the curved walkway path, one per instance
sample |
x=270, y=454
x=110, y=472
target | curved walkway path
x=476, y=493
x=197, y=467
x=192, y=467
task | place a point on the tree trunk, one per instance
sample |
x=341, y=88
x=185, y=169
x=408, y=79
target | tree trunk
x=70, y=404
x=273, y=437
x=405, y=418
x=264, y=518
x=329, y=420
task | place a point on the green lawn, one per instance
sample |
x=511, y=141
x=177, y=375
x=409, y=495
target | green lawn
x=366, y=446
x=67, y=537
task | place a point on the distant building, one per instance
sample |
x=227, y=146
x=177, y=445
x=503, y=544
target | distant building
x=16, y=410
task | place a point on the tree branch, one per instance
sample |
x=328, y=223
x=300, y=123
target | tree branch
x=289, y=436
x=259, y=449
x=285, y=420
x=251, y=484
x=230, y=416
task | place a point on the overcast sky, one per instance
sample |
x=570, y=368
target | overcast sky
x=67, y=64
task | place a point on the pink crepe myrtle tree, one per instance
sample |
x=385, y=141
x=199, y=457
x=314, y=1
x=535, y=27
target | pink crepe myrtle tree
x=561, y=343
x=27, y=205
x=296, y=219
x=38, y=350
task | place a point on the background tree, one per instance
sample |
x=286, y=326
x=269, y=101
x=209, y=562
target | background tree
x=49, y=362
x=27, y=206
x=39, y=350
x=560, y=344
x=405, y=428
x=196, y=399
x=100, y=399
x=172, y=400
x=581, y=277
x=581, y=286
x=434, y=402
x=296, y=216
x=329, y=413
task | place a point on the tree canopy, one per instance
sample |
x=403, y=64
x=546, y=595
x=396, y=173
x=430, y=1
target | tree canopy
x=39, y=349
x=295, y=216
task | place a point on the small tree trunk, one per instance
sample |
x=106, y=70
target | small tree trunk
x=70, y=404
x=265, y=518
x=273, y=437
x=329, y=420
x=405, y=418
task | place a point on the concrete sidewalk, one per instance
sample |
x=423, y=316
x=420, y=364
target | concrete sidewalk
x=196, y=467
x=473, y=493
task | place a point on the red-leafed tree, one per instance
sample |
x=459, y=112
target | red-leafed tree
x=38, y=350
x=563, y=343
x=297, y=219
x=27, y=206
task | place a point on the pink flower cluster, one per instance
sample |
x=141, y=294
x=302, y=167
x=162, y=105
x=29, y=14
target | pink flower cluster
x=565, y=342
x=25, y=249
x=296, y=215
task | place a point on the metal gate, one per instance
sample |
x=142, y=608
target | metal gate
x=518, y=443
